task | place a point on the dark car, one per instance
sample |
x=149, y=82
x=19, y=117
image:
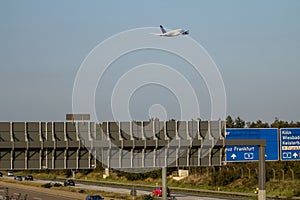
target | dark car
x=158, y=191
x=18, y=178
x=1, y=174
x=94, y=197
x=29, y=178
x=69, y=182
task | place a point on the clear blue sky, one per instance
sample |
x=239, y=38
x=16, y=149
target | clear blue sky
x=255, y=44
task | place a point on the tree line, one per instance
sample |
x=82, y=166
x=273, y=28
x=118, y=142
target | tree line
x=240, y=123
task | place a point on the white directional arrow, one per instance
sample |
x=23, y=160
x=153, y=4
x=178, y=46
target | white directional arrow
x=233, y=156
x=295, y=155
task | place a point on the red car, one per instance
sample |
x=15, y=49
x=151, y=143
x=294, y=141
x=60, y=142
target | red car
x=158, y=191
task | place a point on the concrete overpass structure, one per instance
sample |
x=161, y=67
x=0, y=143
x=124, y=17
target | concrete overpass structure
x=142, y=144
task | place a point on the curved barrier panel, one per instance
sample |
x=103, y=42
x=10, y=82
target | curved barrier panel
x=144, y=144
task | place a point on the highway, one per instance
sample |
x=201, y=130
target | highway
x=34, y=193
x=124, y=190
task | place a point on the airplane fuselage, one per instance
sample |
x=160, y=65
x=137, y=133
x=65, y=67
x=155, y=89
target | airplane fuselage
x=172, y=33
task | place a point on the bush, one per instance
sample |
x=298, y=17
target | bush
x=140, y=176
x=147, y=197
x=154, y=174
x=86, y=171
x=134, y=176
x=67, y=172
x=222, y=179
x=81, y=191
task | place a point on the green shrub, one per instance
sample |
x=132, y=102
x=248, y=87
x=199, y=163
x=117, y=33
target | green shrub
x=147, y=197
x=67, y=172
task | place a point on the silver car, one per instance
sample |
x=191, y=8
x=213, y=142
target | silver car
x=10, y=173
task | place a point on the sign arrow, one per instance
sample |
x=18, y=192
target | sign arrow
x=233, y=156
x=295, y=155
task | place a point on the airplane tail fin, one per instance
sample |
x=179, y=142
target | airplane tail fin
x=162, y=29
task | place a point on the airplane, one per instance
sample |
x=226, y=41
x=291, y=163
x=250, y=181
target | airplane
x=171, y=33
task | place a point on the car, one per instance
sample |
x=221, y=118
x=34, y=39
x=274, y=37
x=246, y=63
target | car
x=18, y=178
x=29, y=178
x=158, y=191
x=94, y=197
x=10, y=173
x=69, y=182
x=1, y=174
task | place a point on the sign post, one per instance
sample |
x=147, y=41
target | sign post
x=262, y=173
x=164, y=183
x=261, y=144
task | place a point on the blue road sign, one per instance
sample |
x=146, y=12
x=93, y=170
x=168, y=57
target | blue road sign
x=251, y=153
x=289, y=144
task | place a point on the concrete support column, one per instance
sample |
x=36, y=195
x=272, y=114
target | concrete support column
x=164, y=183
x=261, y=174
